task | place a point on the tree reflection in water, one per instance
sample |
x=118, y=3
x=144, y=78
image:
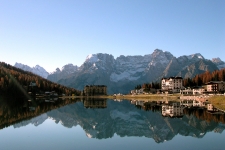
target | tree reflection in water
x=102, y=118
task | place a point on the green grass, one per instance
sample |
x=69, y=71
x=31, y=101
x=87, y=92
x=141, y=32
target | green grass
x=218, y=101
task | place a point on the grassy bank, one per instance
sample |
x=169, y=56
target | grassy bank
x=218, y=101
x=147, y=97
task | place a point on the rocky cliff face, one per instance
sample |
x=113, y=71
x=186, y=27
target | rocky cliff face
x=188, y=67
x=125, y=72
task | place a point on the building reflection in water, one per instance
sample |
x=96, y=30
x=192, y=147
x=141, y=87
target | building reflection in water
x=173, y=109
x=193, y=103
x=95, y=103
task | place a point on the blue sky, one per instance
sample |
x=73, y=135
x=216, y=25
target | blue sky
x=53, y=33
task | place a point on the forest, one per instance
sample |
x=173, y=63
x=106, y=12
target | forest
x=201, y=79
x=198, y=80
x=14, y=82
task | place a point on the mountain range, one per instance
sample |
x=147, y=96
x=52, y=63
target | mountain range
x=123, y=73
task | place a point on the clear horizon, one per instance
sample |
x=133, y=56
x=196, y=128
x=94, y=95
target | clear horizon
x=55, y=33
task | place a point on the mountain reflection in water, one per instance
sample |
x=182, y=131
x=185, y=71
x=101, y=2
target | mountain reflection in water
x=101, y=118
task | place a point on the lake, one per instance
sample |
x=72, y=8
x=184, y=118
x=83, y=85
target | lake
x=106, y=124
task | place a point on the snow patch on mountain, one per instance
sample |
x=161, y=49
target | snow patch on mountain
x=198, y=55
x=122, y=76
x=129, y=67
x=93, y=68
x=92, y=58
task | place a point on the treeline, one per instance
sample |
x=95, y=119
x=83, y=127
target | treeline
x=202, y=114
x=15, y=82
x=12, y=112
x=148, y=86
x=198, y=80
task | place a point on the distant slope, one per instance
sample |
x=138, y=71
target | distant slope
x=65, y=72
x=220, y=64
x=38, y=70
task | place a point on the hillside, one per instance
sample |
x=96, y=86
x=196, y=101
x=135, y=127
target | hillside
x=14, y=82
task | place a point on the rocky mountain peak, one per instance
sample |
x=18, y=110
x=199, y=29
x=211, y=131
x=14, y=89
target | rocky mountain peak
x=70, y=68
x=157, y=52
x=37, y=66
x=217, y=60
x=220, y=64
x=91, y=58
x=66, y=71
x=160, y=57
x=196, y=56
x=57, y=70
x=22, y=66
x=99, y=57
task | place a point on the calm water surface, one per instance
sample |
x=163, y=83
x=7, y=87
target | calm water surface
x=105, y=124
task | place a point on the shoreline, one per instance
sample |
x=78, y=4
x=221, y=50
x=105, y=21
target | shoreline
x=216, y=101
x=131, y=97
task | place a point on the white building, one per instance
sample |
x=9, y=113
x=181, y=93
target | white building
x=186, y=91
x=193, y=103
x=210, y=107
x=139, y=91
x=198, y=103
x=194, y=91
x=186, y=103
x=199, y=91
x=173, y=84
